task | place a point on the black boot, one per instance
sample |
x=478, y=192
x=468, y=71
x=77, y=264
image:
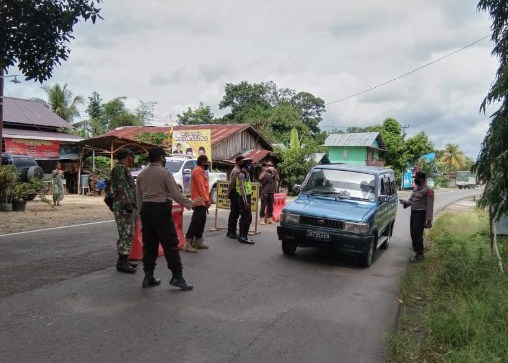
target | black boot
x=181, y=283
x=122, y=265
x=245, y=240
x=149, y=280
x=133, y=264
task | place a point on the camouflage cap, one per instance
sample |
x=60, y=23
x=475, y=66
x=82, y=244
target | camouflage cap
x=123, y=152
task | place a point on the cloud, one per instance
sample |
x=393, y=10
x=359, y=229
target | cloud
x=178, y=54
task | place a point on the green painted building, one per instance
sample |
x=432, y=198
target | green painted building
x=361, y=148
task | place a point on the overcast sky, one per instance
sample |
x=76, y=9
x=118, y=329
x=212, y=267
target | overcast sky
x=180, y=53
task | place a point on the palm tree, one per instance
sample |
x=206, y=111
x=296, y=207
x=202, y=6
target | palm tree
x=453, y=158
x=62, y=102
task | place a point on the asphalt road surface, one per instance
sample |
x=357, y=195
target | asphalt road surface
x=62, y=300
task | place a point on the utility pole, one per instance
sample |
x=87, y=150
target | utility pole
x=404, y=133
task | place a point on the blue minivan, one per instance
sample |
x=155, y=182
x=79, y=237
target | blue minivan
x=341, y=207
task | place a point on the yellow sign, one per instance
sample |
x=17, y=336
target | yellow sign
x=192, y=143
x=223, y=201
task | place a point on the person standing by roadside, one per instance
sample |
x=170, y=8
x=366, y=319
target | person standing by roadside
x=268, y=178
x=421, y=202
x=58, y=184
x=234, y=199
x=156, y=188
x=199, y=187
x=124, y=208
x=244, y=189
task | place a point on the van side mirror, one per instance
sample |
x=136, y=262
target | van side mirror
x=384, y=198
x=187, y=171
x=296, y=188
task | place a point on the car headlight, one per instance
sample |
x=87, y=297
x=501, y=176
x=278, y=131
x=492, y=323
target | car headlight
x=289, y=218
x=353, y=227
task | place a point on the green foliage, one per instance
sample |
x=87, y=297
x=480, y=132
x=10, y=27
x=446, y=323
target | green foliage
x=294, y=142
x=112, y=114
x=490, y=167
x=62, y=102
x=272, y=110
x=36, y=33
x=144, y=111
x=453, y=158
x=154, y=138
x=201, y=115
x=455, y=304
x=8, y=177
x=296, y=163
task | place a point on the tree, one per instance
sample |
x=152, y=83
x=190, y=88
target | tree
x=310, y=109
x=272, y=110
x=116, y=114
x=36, y=36
x=62, y=102
x=452, y=158
x=201, y=115
x=145, y=111
x=295, y=164
x=36, y=33
x=391, y=134
x=490, y=167
x=241, y=99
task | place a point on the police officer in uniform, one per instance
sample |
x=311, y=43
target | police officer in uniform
x=244, y=190
x=124, y=208
x=421, y=202
x=234, y=199
x=156, y=188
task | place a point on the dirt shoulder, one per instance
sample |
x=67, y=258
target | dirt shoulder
x=74, y=209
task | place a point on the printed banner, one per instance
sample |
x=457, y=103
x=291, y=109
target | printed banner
x=38, y=149
x=192, y=143
x=223, y=201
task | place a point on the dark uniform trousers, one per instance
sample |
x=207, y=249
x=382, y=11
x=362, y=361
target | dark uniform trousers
x=197, y=224
x=158, y=226
x=417, y=226
x=235, y=205
x=245, y=216
x=267, y=200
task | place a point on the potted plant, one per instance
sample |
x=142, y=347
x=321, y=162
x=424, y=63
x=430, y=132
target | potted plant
x=19, y=191
x=22, y=192
x=8, y=177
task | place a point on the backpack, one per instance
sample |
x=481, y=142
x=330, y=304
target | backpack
x=108, y=199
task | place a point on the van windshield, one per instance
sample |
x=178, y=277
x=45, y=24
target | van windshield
x=341, y=184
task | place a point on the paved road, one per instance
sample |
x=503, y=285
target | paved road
x=61, y=300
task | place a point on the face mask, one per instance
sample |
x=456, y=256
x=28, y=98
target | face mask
x=205, y=166
x=163, y=162
x=418, y=182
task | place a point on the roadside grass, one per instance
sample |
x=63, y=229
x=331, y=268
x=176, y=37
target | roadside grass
x=454, y=306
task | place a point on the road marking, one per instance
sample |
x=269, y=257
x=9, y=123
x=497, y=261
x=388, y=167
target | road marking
x=53, y=228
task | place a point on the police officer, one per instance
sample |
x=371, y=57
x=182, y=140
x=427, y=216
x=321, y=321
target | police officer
x=244, y=190
x=124, y=208
x=156, y=188
x=421, y=202
x=234, y=199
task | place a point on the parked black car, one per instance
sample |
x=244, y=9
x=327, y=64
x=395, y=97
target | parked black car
x=27, y=168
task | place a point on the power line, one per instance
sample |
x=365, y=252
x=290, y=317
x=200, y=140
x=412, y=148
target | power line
x=408, y=73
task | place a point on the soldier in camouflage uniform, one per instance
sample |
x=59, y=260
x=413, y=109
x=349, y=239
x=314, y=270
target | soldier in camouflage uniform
x=124, y=208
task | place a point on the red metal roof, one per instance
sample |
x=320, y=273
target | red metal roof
x=32, y=113
x=219, y=132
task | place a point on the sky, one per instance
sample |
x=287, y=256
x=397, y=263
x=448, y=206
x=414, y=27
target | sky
x=181, y=53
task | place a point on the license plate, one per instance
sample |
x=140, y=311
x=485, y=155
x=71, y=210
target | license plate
x=323, y=236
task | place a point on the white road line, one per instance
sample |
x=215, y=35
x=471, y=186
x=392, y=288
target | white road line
x=53, y=228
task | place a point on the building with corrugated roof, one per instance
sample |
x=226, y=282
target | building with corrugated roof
x=362, y=148
x=31, y=128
